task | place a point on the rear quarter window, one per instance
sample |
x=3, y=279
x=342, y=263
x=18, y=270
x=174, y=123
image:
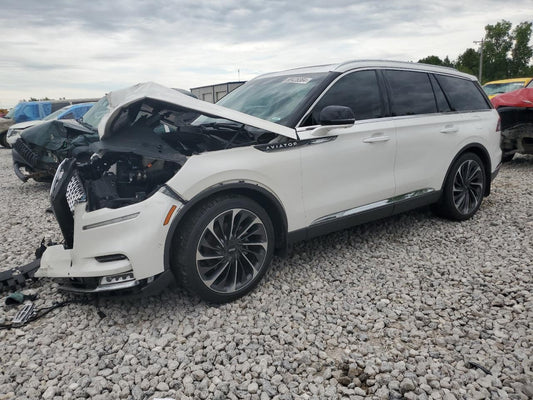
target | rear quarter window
x=462, y=94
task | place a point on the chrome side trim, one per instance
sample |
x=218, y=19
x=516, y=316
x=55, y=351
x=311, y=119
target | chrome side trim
x=372, y=206
x=111, y=221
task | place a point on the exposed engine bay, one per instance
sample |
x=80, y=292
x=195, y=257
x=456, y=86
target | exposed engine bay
x=149, y=142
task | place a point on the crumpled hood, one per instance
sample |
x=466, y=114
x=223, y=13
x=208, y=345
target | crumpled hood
x=120, y=99
x=516, y=98
x=26, y=124
x=52, y=135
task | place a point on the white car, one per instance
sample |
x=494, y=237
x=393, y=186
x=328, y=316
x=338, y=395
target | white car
x=209, y=192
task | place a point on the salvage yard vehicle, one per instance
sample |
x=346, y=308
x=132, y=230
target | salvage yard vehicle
x=495, y=88
x=210, y=192
x=30, y=111
x=516, y=113
x=40, y=148
x=74, y=111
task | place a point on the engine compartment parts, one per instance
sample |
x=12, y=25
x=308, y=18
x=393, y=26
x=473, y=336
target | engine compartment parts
x=516, y=113
x=18, y=277
x=24, y=314
x=19, y=298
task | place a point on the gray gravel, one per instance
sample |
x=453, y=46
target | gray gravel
x=405, y=308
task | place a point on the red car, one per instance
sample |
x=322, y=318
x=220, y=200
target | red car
x=516, y=113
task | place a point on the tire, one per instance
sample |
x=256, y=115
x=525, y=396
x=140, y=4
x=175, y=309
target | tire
x=464, y=188
x=3, y=140
x=223, y=248
x=507, y=157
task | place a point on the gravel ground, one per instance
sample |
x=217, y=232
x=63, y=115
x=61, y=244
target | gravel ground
x=410, y=307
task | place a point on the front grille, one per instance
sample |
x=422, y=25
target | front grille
x=26, y=153
x=75, y=192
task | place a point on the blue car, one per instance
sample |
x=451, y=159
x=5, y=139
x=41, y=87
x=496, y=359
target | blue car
x=33, y=110
x=74, y=111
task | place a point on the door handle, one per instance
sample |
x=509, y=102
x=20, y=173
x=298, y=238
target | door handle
x=375, y=139
x=449, y=129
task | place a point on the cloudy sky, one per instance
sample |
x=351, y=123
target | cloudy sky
x=64, y=48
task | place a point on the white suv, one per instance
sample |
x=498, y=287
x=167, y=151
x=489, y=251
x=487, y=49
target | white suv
x=209, y=192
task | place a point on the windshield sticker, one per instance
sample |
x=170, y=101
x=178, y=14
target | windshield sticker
x=298, y=79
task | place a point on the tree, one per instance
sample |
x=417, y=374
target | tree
x=468, y=62
x=496, y=48
x=506, y=53
x=447, y=62
x=522, y=52
x=433, y=60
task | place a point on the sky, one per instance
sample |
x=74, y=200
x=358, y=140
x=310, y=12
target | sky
x=74, y=49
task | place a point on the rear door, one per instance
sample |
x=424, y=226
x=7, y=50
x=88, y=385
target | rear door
x=425, y=128
x=349, y=169
x=430, y=128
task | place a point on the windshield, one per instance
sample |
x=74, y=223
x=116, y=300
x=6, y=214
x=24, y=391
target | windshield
x=498, y=88
x=96, y=113
x=271, y=98
x=56, y=114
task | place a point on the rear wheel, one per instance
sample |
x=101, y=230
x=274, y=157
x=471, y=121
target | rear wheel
x=464, y=188
x=223, y=248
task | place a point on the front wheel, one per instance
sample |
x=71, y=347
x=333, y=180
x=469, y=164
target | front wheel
x=3, y=140
x=464, y=188
x=223, y=248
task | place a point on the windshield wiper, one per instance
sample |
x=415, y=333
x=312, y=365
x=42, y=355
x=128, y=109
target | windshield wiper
x=227, y=125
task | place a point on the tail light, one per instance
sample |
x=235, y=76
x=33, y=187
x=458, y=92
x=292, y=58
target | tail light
x=499, y=125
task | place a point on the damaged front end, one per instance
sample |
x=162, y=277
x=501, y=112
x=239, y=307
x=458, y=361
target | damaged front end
x=113, y=204
x=40, y=149
x=517, y=130
x=516, y=114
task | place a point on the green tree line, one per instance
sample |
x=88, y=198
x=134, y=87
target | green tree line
x=506, y=53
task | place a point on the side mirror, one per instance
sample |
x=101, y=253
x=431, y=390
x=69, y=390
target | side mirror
x=337, y=115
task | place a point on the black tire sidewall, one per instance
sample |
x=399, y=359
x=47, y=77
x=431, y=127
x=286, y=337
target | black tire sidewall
x=447, y=204
x=195, y=227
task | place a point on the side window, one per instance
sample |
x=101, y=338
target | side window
x=358, y=90
x=463, y=94
x=411, y=93
x=442, y=103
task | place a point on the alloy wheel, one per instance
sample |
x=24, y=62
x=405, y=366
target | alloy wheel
x=468, y=187
x=232, y=250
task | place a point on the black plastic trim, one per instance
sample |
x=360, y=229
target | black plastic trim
x=494, y=174
x=363, y=217
x=485, y=158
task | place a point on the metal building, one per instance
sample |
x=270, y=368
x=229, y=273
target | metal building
x=214, y=93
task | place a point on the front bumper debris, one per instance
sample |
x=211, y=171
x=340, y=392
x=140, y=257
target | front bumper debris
x=106, y=249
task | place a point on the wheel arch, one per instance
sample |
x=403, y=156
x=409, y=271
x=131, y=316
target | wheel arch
x=259, y=194
x=479, y=150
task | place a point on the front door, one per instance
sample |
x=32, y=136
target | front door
x=348, y=169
